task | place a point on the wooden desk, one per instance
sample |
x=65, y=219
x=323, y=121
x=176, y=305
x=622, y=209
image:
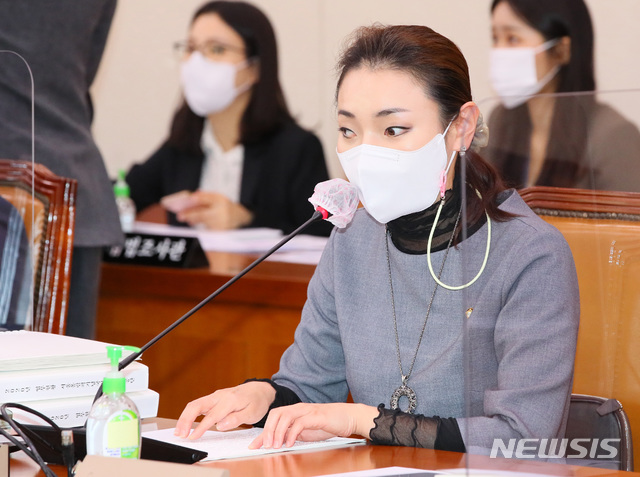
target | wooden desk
x=241, y=334
x=360, y=457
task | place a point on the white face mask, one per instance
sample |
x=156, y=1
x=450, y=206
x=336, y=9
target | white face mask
x=514, y=76
x=393, y=183
x=209, y=86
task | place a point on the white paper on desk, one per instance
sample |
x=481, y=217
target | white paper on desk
x=305, y=249
x=492, y=473
x=387, y=472
x=21, y=350
x=233, y=444
x=308, y=257
x=153, y=228
x=237, y=240
x=257, y=241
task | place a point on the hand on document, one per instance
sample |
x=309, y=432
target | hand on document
x=226, y=409
x=247, y=403
x=314, y=422
x=211, y=210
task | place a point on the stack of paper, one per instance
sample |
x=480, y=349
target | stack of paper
x=233, y=444
x=59, y=376
x=301, y=249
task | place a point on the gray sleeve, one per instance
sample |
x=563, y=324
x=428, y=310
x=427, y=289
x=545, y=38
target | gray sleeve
x=535, y=340
x=314, y=366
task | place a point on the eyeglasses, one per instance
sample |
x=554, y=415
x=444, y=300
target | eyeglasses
x=211, y=49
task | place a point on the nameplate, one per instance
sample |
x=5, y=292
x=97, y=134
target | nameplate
x=100, y=466
x=159, y=251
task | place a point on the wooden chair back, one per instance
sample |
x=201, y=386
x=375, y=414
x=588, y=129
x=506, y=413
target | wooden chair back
x=47, y=205
x=603, y=231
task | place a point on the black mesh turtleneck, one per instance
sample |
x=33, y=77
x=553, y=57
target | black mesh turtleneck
x=410, y=233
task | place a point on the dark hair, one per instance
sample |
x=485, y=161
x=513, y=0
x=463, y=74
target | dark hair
x=566, y=146
x=437, y=64
x=558, y=18
x=267, y=109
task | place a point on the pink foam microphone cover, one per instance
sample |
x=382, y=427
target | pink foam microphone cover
x=339, y=198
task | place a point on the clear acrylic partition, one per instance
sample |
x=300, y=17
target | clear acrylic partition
x=517, y=316
x=21, y=210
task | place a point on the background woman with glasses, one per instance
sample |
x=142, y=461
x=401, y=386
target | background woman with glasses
x=233, y=143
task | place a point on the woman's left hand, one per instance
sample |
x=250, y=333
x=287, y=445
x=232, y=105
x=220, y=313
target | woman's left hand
x=314, y=422
x=215, y=211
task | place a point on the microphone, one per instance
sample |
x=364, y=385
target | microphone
x=335, y=200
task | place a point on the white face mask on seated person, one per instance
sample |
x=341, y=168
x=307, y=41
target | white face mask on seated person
x=514, y=76
x=210, y=86
x=392, y=183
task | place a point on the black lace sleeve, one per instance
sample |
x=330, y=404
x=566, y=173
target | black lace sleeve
x=397, y=428
x=284, y=397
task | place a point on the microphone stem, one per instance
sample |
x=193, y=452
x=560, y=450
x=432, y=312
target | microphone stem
x=132, y=357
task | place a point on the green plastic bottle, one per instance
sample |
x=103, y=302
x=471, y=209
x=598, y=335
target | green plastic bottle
x=113, y=427
x=126, y=207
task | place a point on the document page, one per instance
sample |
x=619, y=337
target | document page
x=303, y=248
x=388, y=472
x=233, y=444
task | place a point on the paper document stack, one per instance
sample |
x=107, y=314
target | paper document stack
x=305, y=249
x=59, y=376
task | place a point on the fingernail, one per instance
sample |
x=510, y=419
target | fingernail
x=222, y=426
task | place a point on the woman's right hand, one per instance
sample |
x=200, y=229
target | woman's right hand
x=227, y=409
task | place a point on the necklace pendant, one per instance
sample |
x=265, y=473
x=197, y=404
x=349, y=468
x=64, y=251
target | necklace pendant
x=407, y=392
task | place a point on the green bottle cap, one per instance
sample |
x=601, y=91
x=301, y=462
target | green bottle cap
x=114, y=381
x=121, y=188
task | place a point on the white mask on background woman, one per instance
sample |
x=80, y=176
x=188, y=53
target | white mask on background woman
x=209, y=86
x=393, y=183
x=514, y=76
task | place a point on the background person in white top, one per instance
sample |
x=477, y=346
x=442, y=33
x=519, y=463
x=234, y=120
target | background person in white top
x=233, y=142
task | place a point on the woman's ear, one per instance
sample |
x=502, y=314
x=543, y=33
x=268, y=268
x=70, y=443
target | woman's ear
x=254, y=71
x=465, y=125
x=562, y=51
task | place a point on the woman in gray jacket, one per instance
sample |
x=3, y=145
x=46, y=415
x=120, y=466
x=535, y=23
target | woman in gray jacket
x=434, y=308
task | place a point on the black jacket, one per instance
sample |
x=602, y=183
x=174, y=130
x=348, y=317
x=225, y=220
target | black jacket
x=278, y=176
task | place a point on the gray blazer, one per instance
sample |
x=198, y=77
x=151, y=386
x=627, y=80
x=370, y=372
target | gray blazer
x=603, y=146
x=63, y=43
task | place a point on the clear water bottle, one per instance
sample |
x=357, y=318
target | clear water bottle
x=113, y=427
x=126, y=207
